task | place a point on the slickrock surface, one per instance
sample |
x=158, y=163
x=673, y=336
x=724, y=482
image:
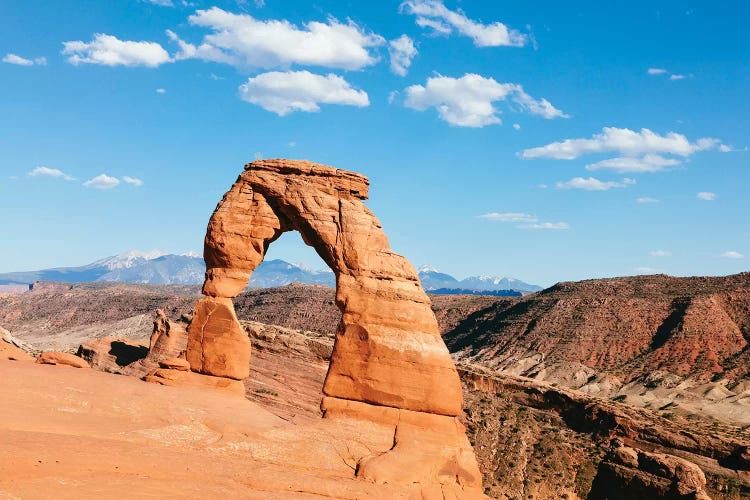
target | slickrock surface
x=389, y=365
x=388, y=349
x=86, y=434
x=11, y=352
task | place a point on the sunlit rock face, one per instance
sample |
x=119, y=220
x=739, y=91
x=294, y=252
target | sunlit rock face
x=388, y=349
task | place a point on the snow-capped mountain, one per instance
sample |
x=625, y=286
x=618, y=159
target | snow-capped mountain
x=163, y=268
x=434, y=280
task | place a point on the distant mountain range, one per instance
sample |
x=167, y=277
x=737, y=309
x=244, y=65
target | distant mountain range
x=437, y=282
x=163, y=268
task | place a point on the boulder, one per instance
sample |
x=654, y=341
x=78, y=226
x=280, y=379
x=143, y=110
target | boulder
x=61, y=358
x=175, y=364
x=217, y=343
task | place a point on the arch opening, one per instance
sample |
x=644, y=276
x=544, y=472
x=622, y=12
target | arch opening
x=388, y=350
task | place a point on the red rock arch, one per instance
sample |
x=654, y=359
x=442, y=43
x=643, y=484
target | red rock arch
x=388, y=350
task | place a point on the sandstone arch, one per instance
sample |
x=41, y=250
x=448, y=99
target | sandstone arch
x=388, y=350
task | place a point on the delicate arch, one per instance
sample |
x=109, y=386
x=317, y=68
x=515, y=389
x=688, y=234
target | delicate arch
x=388, y=350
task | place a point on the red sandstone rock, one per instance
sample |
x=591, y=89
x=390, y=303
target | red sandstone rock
x=388, y=348
x=175, y=364
x=217, y=343
x=182, y=378
x=61, y=358
x=11, y=352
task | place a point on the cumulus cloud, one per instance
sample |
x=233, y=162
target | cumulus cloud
x=22, y=61
x=509, y=217
x=50, y=172
x=285, y=92
x=102, y=181
x=629, y=164
x=645, y=200
x=107, y=50
x=402, y=51
x=134, y=181
x=660, y=253
x=524, y=221
x=706, y=196
x=625, y=142
x=731, y=254
x=469, y=101
x=593, y=184
x=246, y=42
x=656, y=71
x=433, y=14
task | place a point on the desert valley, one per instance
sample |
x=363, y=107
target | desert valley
x=614, y=388
x=412, y=249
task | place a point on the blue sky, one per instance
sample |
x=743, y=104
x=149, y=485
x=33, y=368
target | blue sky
x=548, y=141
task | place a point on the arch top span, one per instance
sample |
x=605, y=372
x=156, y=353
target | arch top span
x=388, y=350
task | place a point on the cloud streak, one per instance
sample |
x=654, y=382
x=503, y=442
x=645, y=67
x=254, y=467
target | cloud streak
x=22, y=61
x=524, y=221
x=401, y=51
x=593, y=184
x=434, y=15
x=108, y=50
x=50, y=172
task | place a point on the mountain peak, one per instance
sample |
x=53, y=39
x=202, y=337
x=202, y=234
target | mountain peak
x=128, y=259
x=426, y=268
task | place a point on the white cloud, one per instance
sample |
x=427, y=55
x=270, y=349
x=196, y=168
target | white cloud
x=660, y=253
x=402, y=51
x=517, y=126
x=509, y=217
x=435, y=15
x=706, y=196
x=525, y=221
x=161, y=91
x=731, y=254
x=676, y=77
x=245, y=42
x=108, y=50
x=656, y=71
x=468, y=101
x=22, y=61
x=285, y=92
x=161, y=3
x=629, y=164
x=50, y=172
x=132, y=181
x=625, y=142
x=392, y=96
x=546, y=225
x=646, y=200
x=102, y=181
x=593, y=184
x=647, y=270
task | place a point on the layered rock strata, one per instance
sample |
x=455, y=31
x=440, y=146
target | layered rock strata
x=388, y=349
x=389, y=365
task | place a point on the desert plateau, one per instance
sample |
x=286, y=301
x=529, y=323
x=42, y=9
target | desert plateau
x=413, y=249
